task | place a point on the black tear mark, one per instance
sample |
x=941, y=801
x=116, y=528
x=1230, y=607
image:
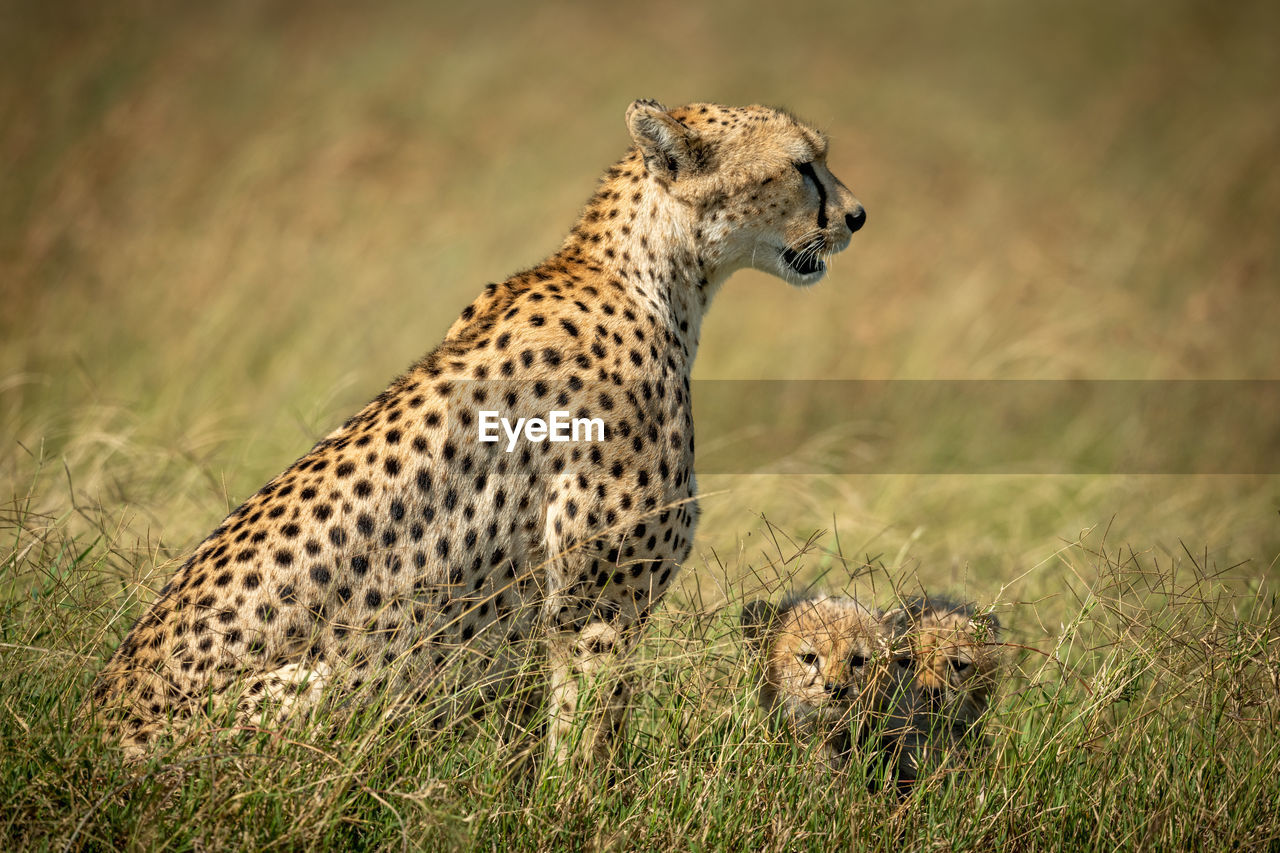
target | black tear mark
x=806, y=169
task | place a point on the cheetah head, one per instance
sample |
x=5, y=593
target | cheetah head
x=755, y=186
x=826, y=660
x=957, y=657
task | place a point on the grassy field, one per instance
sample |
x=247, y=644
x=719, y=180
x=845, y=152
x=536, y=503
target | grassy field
x=223, y=228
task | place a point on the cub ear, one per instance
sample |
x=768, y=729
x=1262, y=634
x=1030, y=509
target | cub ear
x=669, y=148
x=757, y=618
x=897, y=620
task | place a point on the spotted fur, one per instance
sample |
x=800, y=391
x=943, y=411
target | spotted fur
x=400, y=546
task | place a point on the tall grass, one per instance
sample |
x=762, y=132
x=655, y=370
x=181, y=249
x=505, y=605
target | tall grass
x=1146, y=717
x=223, y=229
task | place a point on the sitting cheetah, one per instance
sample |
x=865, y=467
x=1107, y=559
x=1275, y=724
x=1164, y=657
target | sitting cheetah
x=957, y=668
x=401, y=543
x=834, y=671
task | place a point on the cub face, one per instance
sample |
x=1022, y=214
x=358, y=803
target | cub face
x=756, y=183
x=957, y=656
x=832, y=668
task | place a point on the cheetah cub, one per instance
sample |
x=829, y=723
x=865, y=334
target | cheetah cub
x=957, y=669
x=407, y=542
x=835, y=673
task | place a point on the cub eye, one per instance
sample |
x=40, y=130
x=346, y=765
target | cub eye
x=960, y=665
x=905, y=663
x=808, y=659
x=857, y=661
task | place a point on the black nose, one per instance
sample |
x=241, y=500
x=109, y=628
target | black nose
x=856, y=219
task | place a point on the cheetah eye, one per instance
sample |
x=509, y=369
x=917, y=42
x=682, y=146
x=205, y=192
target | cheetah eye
x=808, y=659
x=857, y=661
x=806, y=170
x=960, y=665
x=905, y=663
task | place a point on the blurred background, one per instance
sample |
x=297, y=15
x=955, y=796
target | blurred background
x=225, y=226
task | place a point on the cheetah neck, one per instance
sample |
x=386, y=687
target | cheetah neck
x=639, y=236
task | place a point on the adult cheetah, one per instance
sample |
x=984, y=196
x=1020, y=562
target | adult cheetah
x=402, y=544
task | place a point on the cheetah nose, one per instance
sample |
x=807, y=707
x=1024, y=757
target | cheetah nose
x=856, y=219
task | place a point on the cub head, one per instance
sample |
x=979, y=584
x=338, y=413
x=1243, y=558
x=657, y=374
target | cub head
x=825, y=659
x=754, y=184
x=957, y=656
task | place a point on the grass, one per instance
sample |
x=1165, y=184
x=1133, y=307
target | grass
x=223, y=229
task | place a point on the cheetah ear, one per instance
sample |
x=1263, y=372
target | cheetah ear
x=898, y=619
x=757, y=618
x=669, y=148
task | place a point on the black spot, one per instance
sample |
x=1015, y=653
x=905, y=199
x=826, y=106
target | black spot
x=320, y=575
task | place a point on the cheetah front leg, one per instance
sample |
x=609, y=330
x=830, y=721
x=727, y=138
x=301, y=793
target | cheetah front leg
x=589, y=693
